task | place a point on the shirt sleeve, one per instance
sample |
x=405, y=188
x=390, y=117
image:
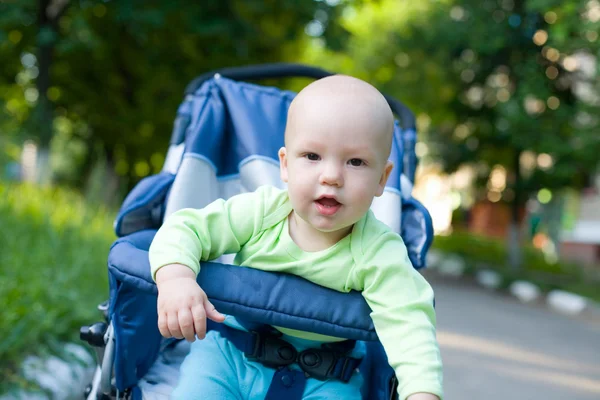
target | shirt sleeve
x=401, y=301
x=189, y=236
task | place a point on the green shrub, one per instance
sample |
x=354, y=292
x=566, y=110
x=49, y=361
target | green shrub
x=493, y=251
x=472, y=247
x=486, y=252
x=53, y=270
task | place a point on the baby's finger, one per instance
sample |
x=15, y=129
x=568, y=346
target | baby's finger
x=186, y=324
x=212, y=313
x=199, y=320
x=162, y=325
x=173, y=324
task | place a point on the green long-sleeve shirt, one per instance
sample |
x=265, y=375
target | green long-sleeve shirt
x=372, y=259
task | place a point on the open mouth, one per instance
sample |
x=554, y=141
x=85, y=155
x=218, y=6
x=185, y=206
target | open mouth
x=327, y=205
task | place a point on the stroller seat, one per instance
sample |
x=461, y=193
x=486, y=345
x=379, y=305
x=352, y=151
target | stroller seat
x=225, y=141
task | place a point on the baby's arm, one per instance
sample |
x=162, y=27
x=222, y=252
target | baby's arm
x=182, y=305
x=403, y=315
x=186, y=238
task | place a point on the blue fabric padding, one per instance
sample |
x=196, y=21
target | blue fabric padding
x=377, y=374
x=136, y=393
x=293, y=302
x=396, y=155
x=416, y=231
x=137, y=339
x=227, y=123
x=232, y=122
x=133, y=312
x=182, y=122
x=143, y=207
x=410, y=161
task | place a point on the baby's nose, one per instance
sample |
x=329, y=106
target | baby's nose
x=332, y=175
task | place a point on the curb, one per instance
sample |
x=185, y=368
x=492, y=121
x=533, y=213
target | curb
x=453, y=266
x=59, y=378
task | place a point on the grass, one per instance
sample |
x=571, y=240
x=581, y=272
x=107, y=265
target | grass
x=53, y=251
x=483, y=252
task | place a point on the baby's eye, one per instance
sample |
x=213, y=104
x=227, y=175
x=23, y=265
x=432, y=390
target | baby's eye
x=312, y=156
x=356, y=162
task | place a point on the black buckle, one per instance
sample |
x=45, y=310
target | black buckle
x=272, y=351
x=319, y=363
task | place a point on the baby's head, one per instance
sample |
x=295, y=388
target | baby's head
x=337, y=143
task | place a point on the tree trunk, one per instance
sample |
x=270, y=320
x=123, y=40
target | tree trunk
x=43, y=113
x=44, y=60
x=514, y=229
x=49, y=12
x=102, y=183
x=112, y=193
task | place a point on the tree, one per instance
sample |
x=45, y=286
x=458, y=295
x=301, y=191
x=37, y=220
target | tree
x=119, y=68
x=494, y=80
x=44, y=32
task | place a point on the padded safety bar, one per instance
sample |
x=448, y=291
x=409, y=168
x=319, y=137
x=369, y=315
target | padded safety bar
x=233, y=290
x=293, y=302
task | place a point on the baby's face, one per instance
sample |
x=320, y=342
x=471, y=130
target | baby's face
x=335, y=163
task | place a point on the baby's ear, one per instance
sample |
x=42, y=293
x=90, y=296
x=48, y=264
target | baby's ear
x=384, y=177
x=283, y=170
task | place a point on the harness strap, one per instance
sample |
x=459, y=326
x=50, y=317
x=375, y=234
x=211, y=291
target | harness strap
x=328, y=362
x=286, y=384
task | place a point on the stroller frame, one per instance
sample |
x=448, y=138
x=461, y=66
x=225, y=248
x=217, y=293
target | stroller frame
x=101, y=336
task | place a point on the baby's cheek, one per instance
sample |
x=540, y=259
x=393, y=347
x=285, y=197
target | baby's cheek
x=298, y=194
x=301, y=184
x=364, y=200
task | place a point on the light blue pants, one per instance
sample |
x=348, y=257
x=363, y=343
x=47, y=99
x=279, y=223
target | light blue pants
x=215, y=370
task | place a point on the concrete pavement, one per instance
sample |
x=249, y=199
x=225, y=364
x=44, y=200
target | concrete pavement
x=496, y=348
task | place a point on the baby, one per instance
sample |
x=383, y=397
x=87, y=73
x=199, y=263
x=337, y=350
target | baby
x=335, y=161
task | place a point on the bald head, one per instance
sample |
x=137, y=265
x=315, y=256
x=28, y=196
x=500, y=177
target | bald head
x=342, y=102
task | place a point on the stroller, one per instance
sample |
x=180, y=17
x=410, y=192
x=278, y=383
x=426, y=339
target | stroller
x=225, y=141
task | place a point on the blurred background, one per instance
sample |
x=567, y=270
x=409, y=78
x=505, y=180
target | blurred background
x=506, y=94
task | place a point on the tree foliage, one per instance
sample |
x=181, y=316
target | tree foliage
x=494, y=82
x=119, y=68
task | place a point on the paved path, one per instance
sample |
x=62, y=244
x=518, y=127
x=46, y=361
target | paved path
x=496, y=348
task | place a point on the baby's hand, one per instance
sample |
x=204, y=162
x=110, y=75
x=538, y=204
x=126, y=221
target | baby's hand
x=182, y=305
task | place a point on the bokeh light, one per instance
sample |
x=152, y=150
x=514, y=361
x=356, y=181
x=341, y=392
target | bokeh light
x=544, y=161
x=544, y=196
x=550, y=17
x=553, y=102
x=15, y=36
x=552, y=72
x=494, y=196
x=551, y=54
x=570, y=63
x=540, y=37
